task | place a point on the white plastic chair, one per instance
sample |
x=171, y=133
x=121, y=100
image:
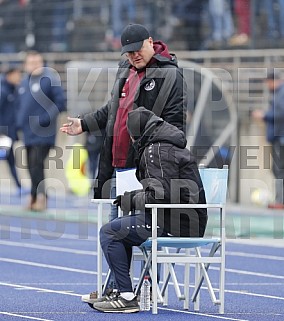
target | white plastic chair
x=215, y=186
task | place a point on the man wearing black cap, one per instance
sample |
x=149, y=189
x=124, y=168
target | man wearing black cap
x=149, y=77
x=274, y=119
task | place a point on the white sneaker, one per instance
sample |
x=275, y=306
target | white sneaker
x=93, y=297
x=89, y=298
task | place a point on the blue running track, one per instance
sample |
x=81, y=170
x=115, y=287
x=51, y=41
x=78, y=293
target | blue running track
x=46, y=264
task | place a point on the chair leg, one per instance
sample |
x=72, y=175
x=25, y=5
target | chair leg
x=146, y=267
x=222, y=283
x=186, y=282
x=106, y=283
x=198, y=285
x=165, y=287
x=154, y=278
x=204, y=269
x=171, y=272
x=197, y=296
x=99, y=251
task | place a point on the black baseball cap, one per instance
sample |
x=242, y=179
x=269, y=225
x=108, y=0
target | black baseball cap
x=132, y=37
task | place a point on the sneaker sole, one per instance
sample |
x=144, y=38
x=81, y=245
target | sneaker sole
x=88, y=301
x=127, y=310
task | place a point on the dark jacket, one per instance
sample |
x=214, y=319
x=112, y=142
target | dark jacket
x=169, y=174
x=274, y=117
x=41, y=99
x=8, y=109
x=161, y=90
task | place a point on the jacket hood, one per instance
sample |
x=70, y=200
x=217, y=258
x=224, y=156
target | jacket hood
x=146, y=128
x=162, y=54
x=162, y=49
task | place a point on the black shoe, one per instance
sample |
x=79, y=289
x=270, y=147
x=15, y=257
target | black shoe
x=118, y=304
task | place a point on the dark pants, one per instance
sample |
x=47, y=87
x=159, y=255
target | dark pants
x=278, y=170
x=36, y=156
x=12, y=166
x=117, y=238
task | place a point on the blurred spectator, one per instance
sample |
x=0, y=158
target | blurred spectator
x=275, y=18
x=242, y=11
x=8, y=114
x=59, y=25
x=274, y=118
x=190, y=14
x=122, y=12
x=48, y=22
x=221, y=24
x=12, y=26
x=41, y=99
x=152, y=18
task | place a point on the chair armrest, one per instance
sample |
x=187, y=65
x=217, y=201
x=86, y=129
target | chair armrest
x=161, y=205
x=102, y=200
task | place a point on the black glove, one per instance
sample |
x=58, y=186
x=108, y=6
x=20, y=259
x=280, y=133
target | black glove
x=127, y=201
x=117, y=201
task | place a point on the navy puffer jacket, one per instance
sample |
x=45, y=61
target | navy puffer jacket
x=169, y=174
x=8, y=109
x=41, y=99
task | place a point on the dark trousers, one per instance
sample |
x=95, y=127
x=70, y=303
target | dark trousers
x=12, y=166
x=117, y=239
x=278, y=170
x=36, y=156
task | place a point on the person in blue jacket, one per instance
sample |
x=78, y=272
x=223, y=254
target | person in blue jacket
x=41, y=99
x=8, y=113
x=274, y=118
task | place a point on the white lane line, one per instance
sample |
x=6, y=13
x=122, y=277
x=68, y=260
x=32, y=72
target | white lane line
x=273, y=243
x=81, y=252
x=24, y=287
x=74, y=294
x=23, y=316
x=256, y=294
x=47, y=234
x=56, y=267
x=265, y=242
x=90, y=238
x=202, y=314
x=256, y=256
x=180, y=311
x=47, y=266
x=255, y=283
x=265, y=275
x=47, y=248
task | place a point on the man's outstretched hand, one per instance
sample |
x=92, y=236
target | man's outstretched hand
x=73, y=127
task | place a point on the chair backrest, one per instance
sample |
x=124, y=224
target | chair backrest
x=215, y=184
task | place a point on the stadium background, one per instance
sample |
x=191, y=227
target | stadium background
x=78, y=31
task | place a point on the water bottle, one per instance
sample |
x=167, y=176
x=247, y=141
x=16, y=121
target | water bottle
x=145, y=295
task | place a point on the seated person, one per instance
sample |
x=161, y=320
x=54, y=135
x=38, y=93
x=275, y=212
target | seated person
x=169, y=174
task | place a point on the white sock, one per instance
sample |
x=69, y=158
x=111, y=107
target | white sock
x=127, y=295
